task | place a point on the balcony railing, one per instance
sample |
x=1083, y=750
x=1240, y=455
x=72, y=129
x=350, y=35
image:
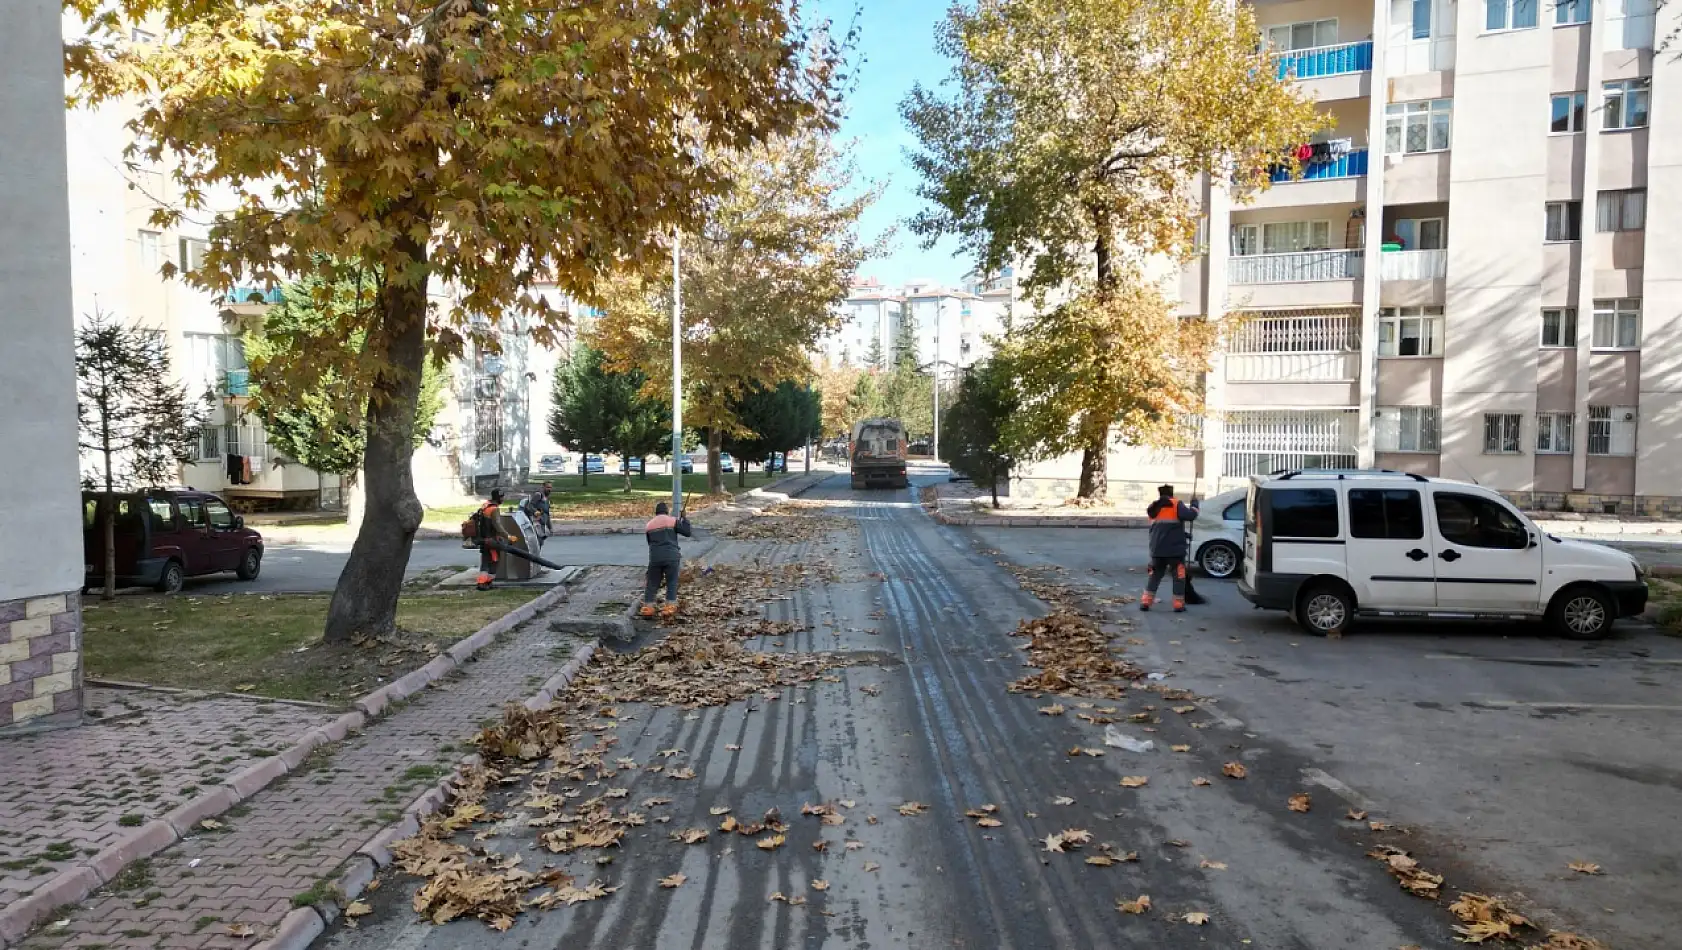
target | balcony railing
x=1299, y=332
x=1414, y=265
x=1351, y=164
x=1325, y=61
x=1293, y=367
x=270, y=295
x=1294, y=267
x=237, y=382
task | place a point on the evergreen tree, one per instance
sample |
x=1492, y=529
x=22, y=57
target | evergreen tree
x=600, y=411
x=973, y=434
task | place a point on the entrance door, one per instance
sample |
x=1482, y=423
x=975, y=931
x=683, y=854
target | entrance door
x=1487, y=560
x=1389, y=552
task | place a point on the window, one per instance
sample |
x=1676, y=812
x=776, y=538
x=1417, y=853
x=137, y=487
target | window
x=1304, y=513
x=1611, y=430
x=192, y=511
x=1502, y=433
x=1509, y=14
x=1282, y=237
x=1411, y=127
x=1629, y=24
x=1305, y=35
x=1479, y=522
x=1393, y=514
x=1234, y=511
x=163, y=516
x=1421, y=25
x=1625, y=104
x=1407, y=429
x=210, y=443
x=151, y=251
x=192, y=253
x=1563, y=221
x=1617, y=324
x=220, y=517
x=1571, y=12
x=1410, y=331
x=1620, y=210
x=1570, y=112
x=1559, y=326
x=230, y=439
x=1420, y=234
x=1553, y=433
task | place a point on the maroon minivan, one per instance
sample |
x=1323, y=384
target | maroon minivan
x=164, y=536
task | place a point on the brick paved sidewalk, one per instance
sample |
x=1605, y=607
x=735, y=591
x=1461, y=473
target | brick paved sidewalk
x=67, y=795
x=284, y=847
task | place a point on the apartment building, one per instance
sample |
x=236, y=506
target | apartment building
x=1469, y=277
x=952, y=326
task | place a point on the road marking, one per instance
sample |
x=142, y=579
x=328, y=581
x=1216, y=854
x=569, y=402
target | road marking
x=1561, y=660
x=1323, y=779
x=1626, y=707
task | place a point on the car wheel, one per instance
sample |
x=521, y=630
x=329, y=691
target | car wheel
x=1325, y=609
x=173, y=579
x=1220, y=559
x=250, y=566
x=1582, y=613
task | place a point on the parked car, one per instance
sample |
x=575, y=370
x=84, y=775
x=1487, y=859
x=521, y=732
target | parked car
x=726, y=463
x=776, y=462
x=631, y=466
x=594, y=465
x=552, y=465
x=1333, y=545
x=1217, y=536
x=163, y=537
x=687, y=465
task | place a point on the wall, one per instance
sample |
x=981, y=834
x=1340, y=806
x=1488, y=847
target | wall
x=40, y=504
x=1659, y=469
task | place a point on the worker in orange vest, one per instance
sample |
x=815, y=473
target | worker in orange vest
x=665, y=559
x=1168, y=546
x=488, y=528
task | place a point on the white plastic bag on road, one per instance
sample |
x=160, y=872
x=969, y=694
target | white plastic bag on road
x=1114, y=737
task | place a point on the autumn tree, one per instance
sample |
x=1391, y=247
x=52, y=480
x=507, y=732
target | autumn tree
x=763, y=272
x=319, y=420
x=461, y=150
x=838, y=396
x=770, y=419
x=1075, y=140
x=137, y=427
x=598, y=410
x=974, y=437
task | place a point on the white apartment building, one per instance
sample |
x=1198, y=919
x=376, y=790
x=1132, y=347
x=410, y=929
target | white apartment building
x=1460, y=282
x=952, y=326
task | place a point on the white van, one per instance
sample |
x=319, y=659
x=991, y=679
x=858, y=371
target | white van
x=1332, y=545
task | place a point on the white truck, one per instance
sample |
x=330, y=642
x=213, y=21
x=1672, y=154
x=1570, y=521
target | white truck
x=877, y=451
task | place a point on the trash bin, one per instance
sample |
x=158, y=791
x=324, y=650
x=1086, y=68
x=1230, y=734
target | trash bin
x=522, y=534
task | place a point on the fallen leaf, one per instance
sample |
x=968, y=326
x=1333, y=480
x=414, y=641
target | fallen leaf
x=848, y=803
x=821, y=845
x=1135, y=906
x=673, y=880
x=1095, y=753
x=1196, y=918
x=356, y=909
x=854, y=845
x=1134, y=781
x=988, y=823
x=683, y=774
x=692, y=835
x=1301, y=801
x=912, y=808
x=1379, y=825
x=1584, y=867
x=652, y=802
x=1234, y=770
x=871, y=866
x=1100, y=860
x=1212, y=865
x=770, y=844
x=1179, y=748
x=210, y=824
x=729, y=824
x=1062, y=800
x=720, y=809
x=1201, y=782
x=616, y=793
x=246, y=930
x=778, y=896
x=1055, y=709
x=820, y=885
x=1053, y=843
x=1354, y=815
x=1182, y=710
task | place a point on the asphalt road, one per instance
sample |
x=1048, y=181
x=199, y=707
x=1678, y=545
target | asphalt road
x=298, y=568
x=929, y=636
x=1511, y=750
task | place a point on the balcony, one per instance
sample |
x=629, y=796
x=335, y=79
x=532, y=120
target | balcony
x=247, y=304
x=270, y=295
x=1294, y=267
x=236, y=383
x=1351, y=164
x=1288, y=359
x=1414, y=265
x=1325, y=61
x=1340, y=180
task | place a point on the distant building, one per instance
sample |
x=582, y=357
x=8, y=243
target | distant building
x=952, y=326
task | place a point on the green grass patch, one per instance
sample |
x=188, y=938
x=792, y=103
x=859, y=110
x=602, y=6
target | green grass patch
x=1666, y=596
x=605, y=496
x=270, y=644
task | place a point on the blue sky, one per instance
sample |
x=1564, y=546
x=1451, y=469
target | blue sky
x=896, y=46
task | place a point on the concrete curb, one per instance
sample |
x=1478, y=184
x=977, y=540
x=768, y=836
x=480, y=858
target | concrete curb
x=73, y=885
x=977, y=520
x=297, y=933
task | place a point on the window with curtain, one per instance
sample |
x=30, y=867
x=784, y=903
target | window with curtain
x=1570, y=113
x=1621, y=210
x=1553, y=433
x=1568, y=12
x=1625, y=104
x=1563, y=221
x=1509, y=14
x=1617, y=324
x=1559, y=327
x=1502, y=433
x=1413, y=127
x=1612, y=430
x=1407, y=429
x=1410, y=331
x=1308, y=34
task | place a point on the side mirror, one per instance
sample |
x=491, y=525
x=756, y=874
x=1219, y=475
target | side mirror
x=239, y=522
x=1532, y=540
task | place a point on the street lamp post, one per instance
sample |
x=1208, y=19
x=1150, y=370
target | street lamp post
x=939, y=308
x=677, y=378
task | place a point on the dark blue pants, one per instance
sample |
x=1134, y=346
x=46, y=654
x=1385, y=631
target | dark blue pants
x=659, y=572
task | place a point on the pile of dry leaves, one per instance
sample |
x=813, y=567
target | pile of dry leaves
x=788, y=522
x=698, y=666
x=1482, y=918
x=1074, y=656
